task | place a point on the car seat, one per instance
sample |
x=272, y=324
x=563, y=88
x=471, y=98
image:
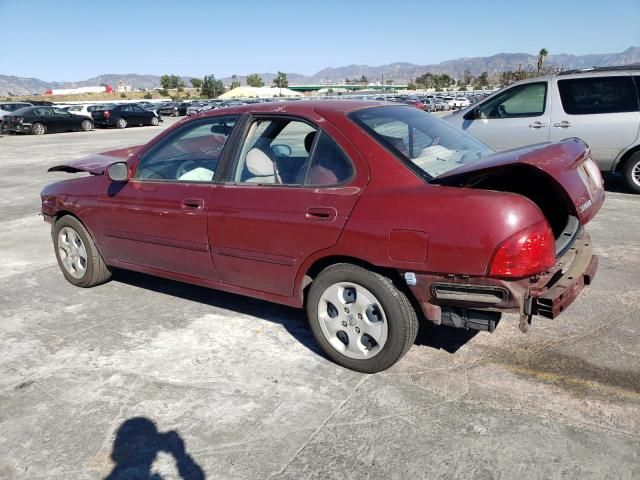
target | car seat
x=261, y=167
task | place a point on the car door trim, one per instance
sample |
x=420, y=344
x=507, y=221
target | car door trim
x=165, y=242
x=256, y=256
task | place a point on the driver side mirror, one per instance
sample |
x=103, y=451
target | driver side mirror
x=118, y=172
x=472, y=114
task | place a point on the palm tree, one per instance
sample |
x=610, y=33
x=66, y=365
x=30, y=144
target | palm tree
x=541, y=56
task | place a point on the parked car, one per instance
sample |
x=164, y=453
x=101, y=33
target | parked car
x=6, y=108
x=600, y=106
x=199, y=107
x=441, y=105
x=461, y=102
x=79, y=110
x=415, y=103
x=451, y=101
x=357, y=211
x=173, y=109
x=41, y=120
x=122, y=116
x=429, y=105
x=42, y=103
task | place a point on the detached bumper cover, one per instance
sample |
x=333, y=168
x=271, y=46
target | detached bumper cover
x=575, y=270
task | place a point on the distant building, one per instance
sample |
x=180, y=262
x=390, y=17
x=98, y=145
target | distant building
x=75, y=91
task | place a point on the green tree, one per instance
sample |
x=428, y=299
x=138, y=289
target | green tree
x=163, y=92
x=411, y=86
x=363, y=79
x=171, y=81
x=542, y=55
x=165, y=81
x=211, y=87
x=196, y=82
x=483, y=80
x=281, y=80
x=255, y=80
x=148, y=96
x=467, y=78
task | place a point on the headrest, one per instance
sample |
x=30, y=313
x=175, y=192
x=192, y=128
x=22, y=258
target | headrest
x=308, y=141
x=259, y=164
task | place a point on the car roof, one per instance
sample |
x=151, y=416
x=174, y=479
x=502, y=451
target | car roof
x=297, y=107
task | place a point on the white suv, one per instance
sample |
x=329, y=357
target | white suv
x=600, y=106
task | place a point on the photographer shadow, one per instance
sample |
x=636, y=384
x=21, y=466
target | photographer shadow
x=136, y=447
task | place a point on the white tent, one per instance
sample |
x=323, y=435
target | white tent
x=259, y=92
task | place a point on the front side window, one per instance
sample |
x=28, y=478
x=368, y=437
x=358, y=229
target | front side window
x=59, y=111
x=190, y=154
x=588, y=96
x=426, y=144
x=526, y=100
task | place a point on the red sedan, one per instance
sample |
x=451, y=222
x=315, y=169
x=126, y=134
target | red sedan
x=368, y=215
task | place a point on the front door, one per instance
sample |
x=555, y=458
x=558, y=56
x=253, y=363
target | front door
x=517, y=117
x=602, y=111
x=159, y=218
x=288, y=195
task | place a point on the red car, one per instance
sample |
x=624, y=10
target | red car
x=368, y=215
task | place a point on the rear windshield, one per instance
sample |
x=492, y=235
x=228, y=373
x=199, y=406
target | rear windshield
x=426, y=144
x=12, y=107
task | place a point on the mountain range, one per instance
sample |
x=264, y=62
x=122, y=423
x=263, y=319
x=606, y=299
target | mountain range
x=400, y=72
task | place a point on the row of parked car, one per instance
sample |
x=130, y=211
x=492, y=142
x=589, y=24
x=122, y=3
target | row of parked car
x=38, y=118
x=437, y=103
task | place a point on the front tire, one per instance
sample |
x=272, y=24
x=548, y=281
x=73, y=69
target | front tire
x=121, y=123
x=86, y=125
x=154, y=121
x=38, y=129
x=78, y=258
x=360, y=319
x=631, y=172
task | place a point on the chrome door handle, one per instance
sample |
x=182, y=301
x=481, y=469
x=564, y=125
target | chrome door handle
x=537, y=125
x=562, y=124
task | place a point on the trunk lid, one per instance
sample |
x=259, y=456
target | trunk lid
x=576, y=180
x=96, y=164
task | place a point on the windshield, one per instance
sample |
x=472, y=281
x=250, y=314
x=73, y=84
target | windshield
x=426, y=144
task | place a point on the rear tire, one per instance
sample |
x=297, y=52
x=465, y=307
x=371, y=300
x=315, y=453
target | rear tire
x=631, y=172
x=38, y=129
x=121, y=123
x=86, y=125
x=371, y=326
x=78, y=258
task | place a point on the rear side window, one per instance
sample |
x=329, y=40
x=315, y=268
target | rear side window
x=329, y=165
x=589, y=96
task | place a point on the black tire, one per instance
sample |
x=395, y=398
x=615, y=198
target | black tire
x=121, y=122
x=86, y=125
x=97, y=271
x=154, y=121
x=38, y=128
x=401, y=317
x=631, y=172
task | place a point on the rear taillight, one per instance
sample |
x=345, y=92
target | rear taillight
x=526, y=253
x=106, y=114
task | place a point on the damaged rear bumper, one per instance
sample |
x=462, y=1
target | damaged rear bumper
x=468, y=299
x=575, y=269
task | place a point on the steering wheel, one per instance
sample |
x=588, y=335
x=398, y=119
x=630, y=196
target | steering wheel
x=185, y=167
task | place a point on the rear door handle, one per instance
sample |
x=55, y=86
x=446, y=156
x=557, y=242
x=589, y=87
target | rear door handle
x=537, y=125
x=562, y=124
x=196, y=203
x=322, y=214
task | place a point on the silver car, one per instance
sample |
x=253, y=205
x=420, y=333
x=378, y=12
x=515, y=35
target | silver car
x=600, y=106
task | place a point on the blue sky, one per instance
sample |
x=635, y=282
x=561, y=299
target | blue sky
x=69, y=40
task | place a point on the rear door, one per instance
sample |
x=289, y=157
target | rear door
x=602, y=111
x=158, y=219
x=288, y=195
x=518, y=116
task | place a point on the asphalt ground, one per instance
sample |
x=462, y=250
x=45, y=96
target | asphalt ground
x=143, y=375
